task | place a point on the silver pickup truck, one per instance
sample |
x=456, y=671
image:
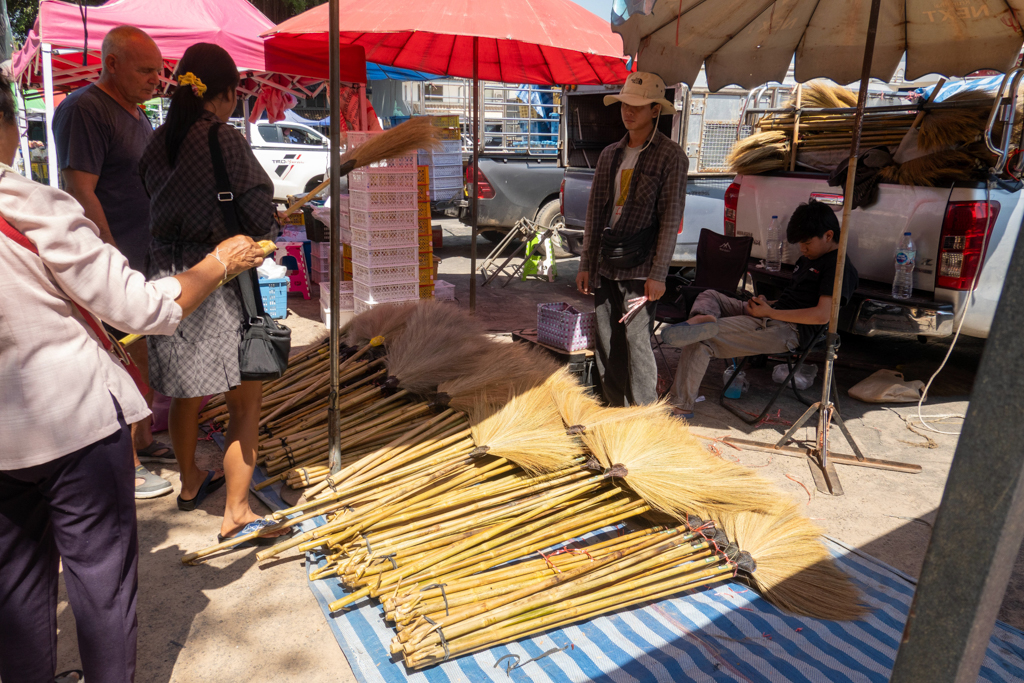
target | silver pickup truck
x=949, y=226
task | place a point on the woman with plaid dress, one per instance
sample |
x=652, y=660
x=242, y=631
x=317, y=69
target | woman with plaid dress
x=201, y=358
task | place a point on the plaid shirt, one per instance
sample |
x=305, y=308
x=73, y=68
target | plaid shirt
x=655, y=202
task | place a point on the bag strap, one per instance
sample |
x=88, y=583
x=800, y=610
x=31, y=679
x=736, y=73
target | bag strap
x=108, y=343
x=247, y=284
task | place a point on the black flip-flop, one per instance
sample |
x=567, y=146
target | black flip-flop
x=208, y=486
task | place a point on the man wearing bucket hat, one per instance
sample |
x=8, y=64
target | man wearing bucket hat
x=636, y=205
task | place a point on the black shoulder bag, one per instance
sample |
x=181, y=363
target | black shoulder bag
x=263, y=351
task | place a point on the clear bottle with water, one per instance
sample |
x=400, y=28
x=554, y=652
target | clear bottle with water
x=773, y=247
x=903, y=282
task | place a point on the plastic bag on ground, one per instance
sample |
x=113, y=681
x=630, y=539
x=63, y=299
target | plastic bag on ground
x=804, y=376
x=887, y=386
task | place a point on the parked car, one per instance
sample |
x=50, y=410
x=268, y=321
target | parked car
x=948, y=225
x=295, y=156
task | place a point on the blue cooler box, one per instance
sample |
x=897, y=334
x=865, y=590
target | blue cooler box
x=275, y=297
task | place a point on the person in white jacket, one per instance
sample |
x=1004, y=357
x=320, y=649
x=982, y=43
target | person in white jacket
x=66, y=474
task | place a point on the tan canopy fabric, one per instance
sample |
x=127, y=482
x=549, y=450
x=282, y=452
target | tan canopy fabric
x=750, y=42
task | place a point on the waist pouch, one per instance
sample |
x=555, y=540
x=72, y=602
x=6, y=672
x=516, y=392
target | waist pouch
x=627, y=252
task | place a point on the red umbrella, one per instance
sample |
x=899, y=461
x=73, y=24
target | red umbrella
x=519, y=41
x=513, y=41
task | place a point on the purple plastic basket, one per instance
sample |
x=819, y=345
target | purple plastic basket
x=562, y=326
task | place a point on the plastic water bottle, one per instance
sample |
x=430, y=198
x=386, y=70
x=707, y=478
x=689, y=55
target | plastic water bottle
x=903, y=282
x=773, y=247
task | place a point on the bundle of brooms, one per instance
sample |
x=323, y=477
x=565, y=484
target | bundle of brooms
x=471, y=526
x=949, y=138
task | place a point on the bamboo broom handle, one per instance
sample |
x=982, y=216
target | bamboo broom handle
x=459, y=547
x=329, y=528
x=498, y=610
x=470, y=582
x=373, y=460
x=268, y=248
x=315, y=385
x=562, y=616
x=368, y=467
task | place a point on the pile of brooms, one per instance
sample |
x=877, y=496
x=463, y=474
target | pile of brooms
x=948, y=141
x=485, y=497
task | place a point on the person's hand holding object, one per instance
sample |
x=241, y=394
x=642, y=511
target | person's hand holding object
x=758, y=307
x=583, y=282
x=238, y=254
x=653, y=289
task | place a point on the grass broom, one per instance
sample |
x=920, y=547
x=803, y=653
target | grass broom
x=416, y=133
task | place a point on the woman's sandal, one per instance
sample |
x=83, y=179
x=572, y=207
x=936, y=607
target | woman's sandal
x=252, y=526
x=70, y=676
x=208, y=486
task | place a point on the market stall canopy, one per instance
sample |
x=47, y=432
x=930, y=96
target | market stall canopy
x=520, y=41
x=235, y=25
x=749, y=43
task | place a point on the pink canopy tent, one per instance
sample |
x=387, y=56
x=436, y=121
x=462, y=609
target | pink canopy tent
x=52, y=57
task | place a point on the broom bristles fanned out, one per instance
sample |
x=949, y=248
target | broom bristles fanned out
x=823, y=94
x=943, y=129
x=759, y=153
x=438, y=342
x=931, y=169
x=385, y=320
x=416, y=133
x=668, y=467
x=503, y=370
x=571, y=400
x=526, y=430
x=795, y=571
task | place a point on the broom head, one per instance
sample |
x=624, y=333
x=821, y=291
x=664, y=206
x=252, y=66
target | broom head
x=658, y=458
x=416, y=133
x=526, y=430
x=795, y=571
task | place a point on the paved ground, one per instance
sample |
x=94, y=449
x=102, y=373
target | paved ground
x=231, y=620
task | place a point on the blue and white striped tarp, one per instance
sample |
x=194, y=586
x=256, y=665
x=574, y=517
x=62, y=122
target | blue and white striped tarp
x=722, y=632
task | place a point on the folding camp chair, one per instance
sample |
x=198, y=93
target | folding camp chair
x=721, y=265
x=795, y=360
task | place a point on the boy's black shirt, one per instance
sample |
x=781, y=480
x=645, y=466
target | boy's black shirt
x=813, y=279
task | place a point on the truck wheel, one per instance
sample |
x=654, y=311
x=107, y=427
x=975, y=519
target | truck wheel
x=550, y=217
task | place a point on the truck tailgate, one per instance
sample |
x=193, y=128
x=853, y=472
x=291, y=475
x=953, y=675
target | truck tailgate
x=874, y=231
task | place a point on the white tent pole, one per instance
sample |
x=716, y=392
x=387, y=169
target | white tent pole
x=26, y=154
x=51, y=147
x=476, y=173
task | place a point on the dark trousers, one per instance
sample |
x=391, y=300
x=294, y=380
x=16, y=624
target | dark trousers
x=625, y=360
x=79, y=508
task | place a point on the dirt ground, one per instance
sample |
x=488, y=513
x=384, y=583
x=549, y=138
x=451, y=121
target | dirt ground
x=233, y=620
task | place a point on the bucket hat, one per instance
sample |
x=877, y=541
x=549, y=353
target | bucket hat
x=642, y=88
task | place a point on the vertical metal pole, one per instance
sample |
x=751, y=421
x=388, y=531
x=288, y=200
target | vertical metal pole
x=844, y=234
x=51, y=145
x=476, y=172
x=245, y=116
x=26, y=153
x=333, y=416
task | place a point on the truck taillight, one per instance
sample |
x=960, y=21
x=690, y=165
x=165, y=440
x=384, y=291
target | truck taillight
x=561, y=197
x=485, y=190
x=964, y=232
x=732, y=200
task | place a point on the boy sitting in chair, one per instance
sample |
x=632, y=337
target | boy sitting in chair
x=721, y=326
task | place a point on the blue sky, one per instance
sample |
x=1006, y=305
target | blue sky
x=602, y=8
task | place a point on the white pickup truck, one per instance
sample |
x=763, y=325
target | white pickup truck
x=295, y=156
x=949, y=226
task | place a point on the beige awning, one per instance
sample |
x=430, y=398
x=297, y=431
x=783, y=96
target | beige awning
x=750, y=42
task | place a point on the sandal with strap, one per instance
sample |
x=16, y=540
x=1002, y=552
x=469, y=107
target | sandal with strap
x=153, y=486
x=252, y=526
x=70, y=676
x=157, y=452
x=208, y=486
